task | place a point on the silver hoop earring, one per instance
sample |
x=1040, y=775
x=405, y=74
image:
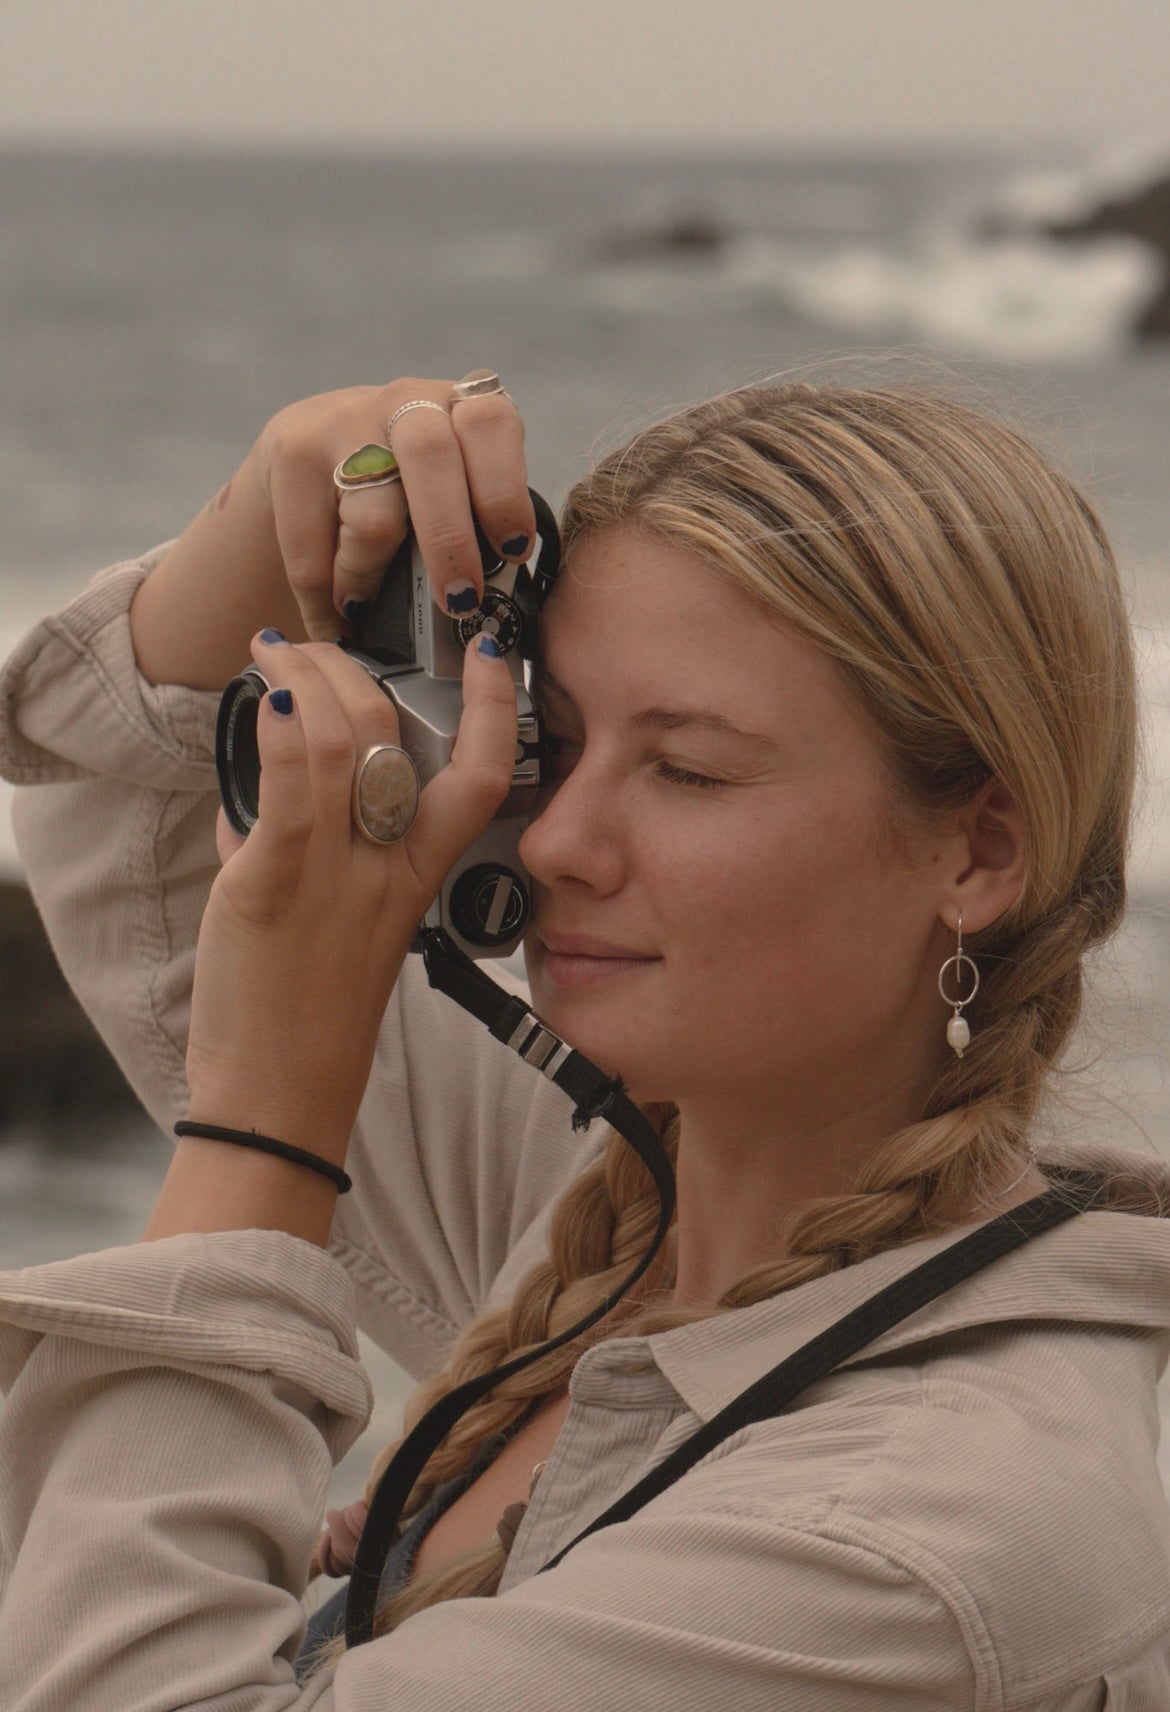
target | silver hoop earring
x=958, y=1028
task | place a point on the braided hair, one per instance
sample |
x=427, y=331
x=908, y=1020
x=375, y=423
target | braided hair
x=970, y=598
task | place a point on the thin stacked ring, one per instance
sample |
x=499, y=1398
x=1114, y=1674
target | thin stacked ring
x=412, y=404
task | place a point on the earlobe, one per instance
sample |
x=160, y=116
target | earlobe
x=996, y=850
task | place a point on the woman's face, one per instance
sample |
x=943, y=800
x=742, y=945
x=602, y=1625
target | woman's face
x=719, y=903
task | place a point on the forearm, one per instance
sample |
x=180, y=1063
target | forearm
x=221, y=582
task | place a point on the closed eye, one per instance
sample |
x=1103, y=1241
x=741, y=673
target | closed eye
x=560, y=755
x=681, y=776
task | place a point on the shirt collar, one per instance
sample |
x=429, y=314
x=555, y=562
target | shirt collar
x=1106, y=1268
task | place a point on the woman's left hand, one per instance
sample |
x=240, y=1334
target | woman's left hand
x=308, y=923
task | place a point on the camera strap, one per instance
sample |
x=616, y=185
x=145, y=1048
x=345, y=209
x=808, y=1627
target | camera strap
x=782, y=1384
x=594, y=1095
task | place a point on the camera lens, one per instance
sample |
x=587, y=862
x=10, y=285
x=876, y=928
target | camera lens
x=489, y=904
x=237, y=753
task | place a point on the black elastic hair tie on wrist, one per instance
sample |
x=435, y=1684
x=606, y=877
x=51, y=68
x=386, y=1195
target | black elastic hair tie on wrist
x=265, y=1144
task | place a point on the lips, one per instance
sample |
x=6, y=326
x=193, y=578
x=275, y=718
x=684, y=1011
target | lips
x=585, y=945
x=575, y=960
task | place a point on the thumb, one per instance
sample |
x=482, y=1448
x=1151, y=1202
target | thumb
x=227, y=839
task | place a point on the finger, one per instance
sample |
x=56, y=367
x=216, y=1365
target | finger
x=305, y=512
x=490, y=433
x=440, y=507
x=372, y=523
x=317, y=799
x=372, y=715
x=460, y=800
x=274, y=853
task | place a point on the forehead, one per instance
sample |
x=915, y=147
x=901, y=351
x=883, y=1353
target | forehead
x=634, y=616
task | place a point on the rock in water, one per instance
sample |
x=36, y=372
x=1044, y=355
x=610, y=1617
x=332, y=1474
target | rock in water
x=53, y=1065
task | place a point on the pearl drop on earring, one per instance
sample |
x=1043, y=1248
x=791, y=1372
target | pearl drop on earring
x=958, y=1028
x=959, y=1033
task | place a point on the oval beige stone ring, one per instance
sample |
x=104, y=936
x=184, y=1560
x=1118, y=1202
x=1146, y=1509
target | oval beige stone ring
x=385, y=793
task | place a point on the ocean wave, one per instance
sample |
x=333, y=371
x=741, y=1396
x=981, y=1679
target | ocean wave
x=1018, y=299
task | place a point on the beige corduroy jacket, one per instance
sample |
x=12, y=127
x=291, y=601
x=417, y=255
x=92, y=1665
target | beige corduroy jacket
x=968, y=1515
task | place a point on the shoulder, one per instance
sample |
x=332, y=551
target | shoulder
x=1010, y=1470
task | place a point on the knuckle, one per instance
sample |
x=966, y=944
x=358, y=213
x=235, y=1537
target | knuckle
x=407, y=386
x=317, y=650
x=367, y=528
x=303, y=576
x=448, y=541
x=488, y=783
x=423, y=434
x=334, y=751
x=289, y=439
x=495, y=501
x=485, y=417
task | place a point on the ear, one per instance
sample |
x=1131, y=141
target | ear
x=991, y=859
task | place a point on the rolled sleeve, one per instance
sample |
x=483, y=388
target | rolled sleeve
x=117, y=839
x=171, y=1417
x=172, y=1414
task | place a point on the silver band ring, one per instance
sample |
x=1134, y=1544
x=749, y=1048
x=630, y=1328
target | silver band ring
x=385, y=793
x=413, y=404
x=480, y=383
x=370, y=466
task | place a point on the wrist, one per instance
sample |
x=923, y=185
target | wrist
x=327, y=1137
x=213, y=1186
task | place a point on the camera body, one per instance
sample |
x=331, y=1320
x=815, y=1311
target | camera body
x=414, y=653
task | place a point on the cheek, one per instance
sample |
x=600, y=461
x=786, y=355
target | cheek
x=804, y=905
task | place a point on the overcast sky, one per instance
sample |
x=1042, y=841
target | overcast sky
x=598, y=72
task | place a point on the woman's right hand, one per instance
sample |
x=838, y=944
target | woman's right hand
x=280, y=546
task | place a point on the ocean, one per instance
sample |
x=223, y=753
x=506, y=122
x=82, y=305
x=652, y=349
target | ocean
x=158, y=308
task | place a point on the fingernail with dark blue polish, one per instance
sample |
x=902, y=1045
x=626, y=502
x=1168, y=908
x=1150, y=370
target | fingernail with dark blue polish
x=461, y=596
x=489, y=646
x=280, y=700
x=515, y=545
x=271, y=635
x=355, y=610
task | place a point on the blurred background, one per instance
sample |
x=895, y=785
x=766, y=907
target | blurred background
x=213, y=207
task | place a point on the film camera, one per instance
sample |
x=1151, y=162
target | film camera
x=414, y=653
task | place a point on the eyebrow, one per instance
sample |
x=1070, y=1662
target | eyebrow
x=665, y=718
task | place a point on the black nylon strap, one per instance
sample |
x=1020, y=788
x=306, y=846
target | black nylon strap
x=772, y=1394
x=594, y=1095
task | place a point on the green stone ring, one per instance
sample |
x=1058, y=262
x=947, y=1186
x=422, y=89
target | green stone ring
x=370, y=466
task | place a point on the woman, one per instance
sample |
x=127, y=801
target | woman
x=830, y=679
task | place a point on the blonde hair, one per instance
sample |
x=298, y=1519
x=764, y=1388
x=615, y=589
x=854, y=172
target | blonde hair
x=970, y=597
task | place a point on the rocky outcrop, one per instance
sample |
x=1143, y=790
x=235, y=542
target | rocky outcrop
x=53, y=1065
x=1143, y=213
x=686, y=238
x=1122, y=198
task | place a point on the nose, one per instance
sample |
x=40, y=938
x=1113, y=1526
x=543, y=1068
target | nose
x=576, y=836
